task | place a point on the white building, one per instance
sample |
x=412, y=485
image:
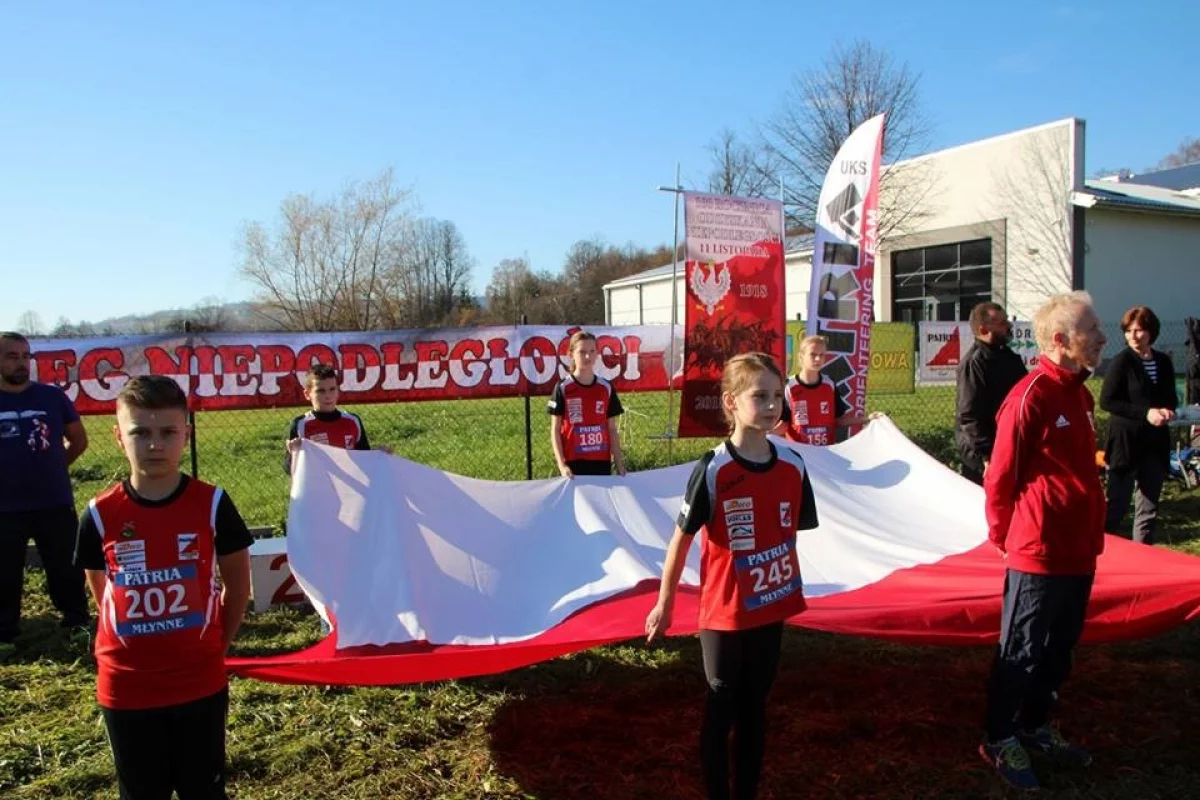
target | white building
x=1009, y=219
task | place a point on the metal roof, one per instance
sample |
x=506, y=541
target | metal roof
x=795, y=245
x=1178, y=178
x=1136, y=197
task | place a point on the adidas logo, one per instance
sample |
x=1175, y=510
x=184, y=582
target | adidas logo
x=1062, y=422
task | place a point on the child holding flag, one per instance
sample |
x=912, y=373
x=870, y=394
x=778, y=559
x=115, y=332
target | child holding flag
x=584, y=410
x=813, y=408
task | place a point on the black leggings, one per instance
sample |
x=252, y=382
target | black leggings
x=740, y=667
x=180, y=748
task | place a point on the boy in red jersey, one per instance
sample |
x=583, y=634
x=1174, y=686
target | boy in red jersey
x=152, y=548
x=583, y=416
x=813, y=409
x=749, y=498
x=326, y=423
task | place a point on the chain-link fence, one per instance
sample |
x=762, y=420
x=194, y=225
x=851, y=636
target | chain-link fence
x=489, y=438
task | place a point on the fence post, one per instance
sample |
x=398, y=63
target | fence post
x=191, y=415
x=528, y=420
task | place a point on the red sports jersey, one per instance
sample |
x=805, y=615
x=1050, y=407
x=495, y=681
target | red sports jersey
x=335, y=428
x=811, y=411
x=749, y=572
x=585, y=410
x=159, y=641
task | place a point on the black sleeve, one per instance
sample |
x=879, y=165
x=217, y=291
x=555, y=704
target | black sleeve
x=807, y=519
x=840, y=407
x=697, y=505
x=363, y=442
x=615, y=409
x=1167, y=369
x=232, y=534
x=556, y=405
x=976, y=431
x=89, y=549
x=293, y=432
x=1114, y=393
x=785, y=413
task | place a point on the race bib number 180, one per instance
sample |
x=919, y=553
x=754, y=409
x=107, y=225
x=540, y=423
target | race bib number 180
x=591, y=439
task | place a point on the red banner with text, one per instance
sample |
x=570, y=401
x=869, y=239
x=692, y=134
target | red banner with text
x=264, y=370
x=735, y=298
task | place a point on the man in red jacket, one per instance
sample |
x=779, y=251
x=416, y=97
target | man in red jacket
x=1045, y=513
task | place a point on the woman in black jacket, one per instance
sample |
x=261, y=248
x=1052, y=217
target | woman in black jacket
x=1139, y=395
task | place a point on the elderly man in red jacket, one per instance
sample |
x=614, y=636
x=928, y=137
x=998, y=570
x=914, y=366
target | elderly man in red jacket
x=1045, y=513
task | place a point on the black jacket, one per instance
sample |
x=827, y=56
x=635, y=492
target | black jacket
x=985, y=376
x=1127, y=395
x=1193, y=360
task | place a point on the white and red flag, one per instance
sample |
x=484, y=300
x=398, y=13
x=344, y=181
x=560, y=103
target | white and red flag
x=430, y=576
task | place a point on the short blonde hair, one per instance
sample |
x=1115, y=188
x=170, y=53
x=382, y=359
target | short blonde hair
x=808, y=341
x=1060, y=314
x=740, y=370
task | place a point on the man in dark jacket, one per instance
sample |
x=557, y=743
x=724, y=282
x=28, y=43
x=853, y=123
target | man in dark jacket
x=1045, y=514
x=985, y=375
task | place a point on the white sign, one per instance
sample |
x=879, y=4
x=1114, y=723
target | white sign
x=943, y=345
x=271, y=581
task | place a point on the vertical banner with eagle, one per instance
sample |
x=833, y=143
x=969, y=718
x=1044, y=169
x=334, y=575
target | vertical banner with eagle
x=841, y=297
x=735, y=298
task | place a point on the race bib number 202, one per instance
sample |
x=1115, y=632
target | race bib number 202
x=157, y=601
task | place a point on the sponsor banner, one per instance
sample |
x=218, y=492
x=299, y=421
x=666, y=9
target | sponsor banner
x=892, y=370
x=943, y=345
x=841, y=296
x=735, y=298
x=222, y=371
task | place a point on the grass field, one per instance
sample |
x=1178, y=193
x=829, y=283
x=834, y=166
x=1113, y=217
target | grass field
x=849, y=717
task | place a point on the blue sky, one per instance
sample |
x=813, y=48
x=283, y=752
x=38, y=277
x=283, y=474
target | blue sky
x=137, y=139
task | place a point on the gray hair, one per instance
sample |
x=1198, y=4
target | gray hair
x=1060, y=314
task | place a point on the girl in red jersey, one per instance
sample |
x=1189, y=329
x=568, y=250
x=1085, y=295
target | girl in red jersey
x=749, y=498
x=584, y=410
x=813, y=409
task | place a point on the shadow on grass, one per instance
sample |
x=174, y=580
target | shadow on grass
x=851, y=718
x=43, y=639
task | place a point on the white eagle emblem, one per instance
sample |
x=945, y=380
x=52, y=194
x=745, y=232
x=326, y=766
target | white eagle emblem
x=711, y=289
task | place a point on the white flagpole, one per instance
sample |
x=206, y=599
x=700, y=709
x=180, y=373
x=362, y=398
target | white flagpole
x=677, y=190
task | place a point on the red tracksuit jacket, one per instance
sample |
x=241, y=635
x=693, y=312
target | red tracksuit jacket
x=1045, y=504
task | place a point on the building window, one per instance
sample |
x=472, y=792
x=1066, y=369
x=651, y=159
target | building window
x=943, y=282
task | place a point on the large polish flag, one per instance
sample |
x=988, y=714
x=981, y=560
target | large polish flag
x=428, y=575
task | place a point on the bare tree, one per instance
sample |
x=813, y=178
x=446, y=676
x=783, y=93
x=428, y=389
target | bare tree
x=30, y=323
x=591, y=263
x=1033, y=191
x=1188, y=152
x=515, y=289
x=430, y=280
x=321, y=266
x=739, y=169
x=820, y=111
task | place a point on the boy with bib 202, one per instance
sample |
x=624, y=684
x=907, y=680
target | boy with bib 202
x=153, y=547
